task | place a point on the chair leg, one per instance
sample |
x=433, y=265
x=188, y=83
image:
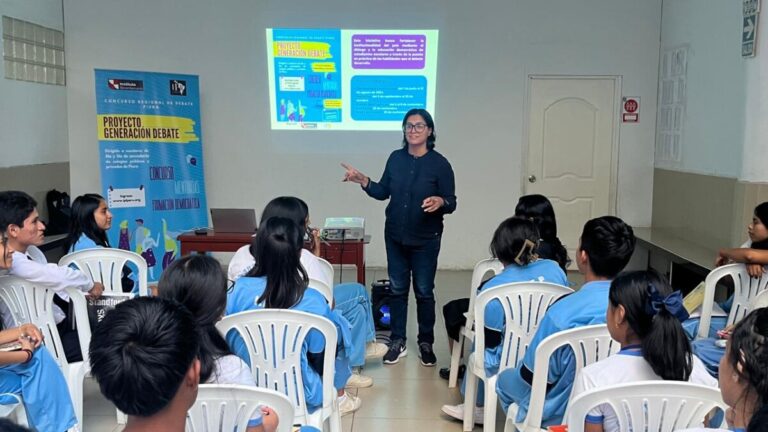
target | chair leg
x=470, y=392
x=335, y=421
x=491, y=402
x=458, y=347
x=121, y=417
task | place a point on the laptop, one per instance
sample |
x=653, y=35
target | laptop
x=233, y=220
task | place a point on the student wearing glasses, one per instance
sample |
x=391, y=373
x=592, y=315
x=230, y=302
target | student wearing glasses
x=419, y=183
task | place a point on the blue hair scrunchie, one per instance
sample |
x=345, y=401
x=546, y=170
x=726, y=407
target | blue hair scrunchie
x=673, y=303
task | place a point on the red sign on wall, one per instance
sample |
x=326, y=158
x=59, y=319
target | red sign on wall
x=630, y=109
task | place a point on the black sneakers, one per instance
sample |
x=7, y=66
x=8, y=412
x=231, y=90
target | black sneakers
x=396, y=350
x=427, y=355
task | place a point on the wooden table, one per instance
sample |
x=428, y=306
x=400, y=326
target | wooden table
x=335, y=251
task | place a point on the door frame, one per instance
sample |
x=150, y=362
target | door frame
x=617, y=85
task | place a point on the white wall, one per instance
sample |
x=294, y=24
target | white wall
x=755, y=145
x=487, y=48
x=714, y=121
x=33, y=117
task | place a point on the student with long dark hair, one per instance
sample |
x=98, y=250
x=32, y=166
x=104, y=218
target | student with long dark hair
x=350, y=299
x=515, y=244
x=279, y=281
x=539, y=209
x=644, y=315
x=90, y=221
x=198, y=283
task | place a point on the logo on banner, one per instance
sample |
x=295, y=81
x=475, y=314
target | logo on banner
x=178, y=87
x=122, y=84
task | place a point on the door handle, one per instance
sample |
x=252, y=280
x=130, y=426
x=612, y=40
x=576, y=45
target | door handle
x=531, y=178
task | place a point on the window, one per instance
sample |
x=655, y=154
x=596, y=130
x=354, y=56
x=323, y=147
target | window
x=32, y=52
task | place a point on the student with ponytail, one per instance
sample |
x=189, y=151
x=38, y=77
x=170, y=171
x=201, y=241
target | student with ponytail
x=644, y=315
x=279, y=281
x=198, y=283
x=744, y=375
x=514, y=244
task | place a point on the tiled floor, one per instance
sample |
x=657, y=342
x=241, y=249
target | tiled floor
x=405, y=396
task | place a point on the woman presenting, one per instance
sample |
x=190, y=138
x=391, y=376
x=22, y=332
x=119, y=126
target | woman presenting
x=419, y=182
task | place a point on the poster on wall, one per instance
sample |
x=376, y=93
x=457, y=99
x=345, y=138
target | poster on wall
x=345, y=79
x=151, y=158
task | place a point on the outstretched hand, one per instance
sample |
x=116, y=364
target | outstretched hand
x=354, y=176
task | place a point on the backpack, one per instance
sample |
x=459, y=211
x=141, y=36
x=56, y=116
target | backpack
x=59, y=212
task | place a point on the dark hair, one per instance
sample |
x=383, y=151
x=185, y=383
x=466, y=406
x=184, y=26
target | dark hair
x=538, y=209
x=83, y=221
x=609, y=243
x=198, y=283
x=515, y=241
x=141, y=352
x=7, y=425
x=664, y=343
x=430, y=124
x=288, y=207
x=749, y=348
x=277, y=249
x=761, y=212
x=15, y=207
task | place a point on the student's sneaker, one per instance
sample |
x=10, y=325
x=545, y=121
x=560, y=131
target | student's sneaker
x=457, y=412
x=396, y=350
x=358, y=381
x=349, y=403
x=375, y=350
x=426, y=354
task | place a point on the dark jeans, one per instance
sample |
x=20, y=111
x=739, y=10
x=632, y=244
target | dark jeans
x=419, y=261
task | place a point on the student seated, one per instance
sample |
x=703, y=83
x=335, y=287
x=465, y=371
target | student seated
x=198, y=283
x=514, y=244
x=278, y=281
x=144, y=357
x=33, y=374
x=90, y=221
x=21, y=224
x=744, y=375
x=350, y=299
x=539, y=210
x=605, y=247
x=644, y=316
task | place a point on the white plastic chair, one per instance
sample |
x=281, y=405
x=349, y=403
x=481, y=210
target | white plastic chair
x=759, y=301
x=745, y=288
x=105, y=265
x=590, y=344
x=524, y=305
x=15, y=411
x=35, y=305
x=659, y=406
x=323, y=288
x=273, y=338
x=327, y=269
x=228, y=407
x=467, y=333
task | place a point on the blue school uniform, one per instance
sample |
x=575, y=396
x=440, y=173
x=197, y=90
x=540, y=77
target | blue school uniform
x=584, y=307
x=245, y=297
x=43, y=389
x=354, y=303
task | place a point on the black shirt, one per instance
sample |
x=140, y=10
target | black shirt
x=407, y=181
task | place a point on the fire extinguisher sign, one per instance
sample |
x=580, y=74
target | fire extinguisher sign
x=630, y=109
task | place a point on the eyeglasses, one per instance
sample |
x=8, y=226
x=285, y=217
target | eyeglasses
x=418, y=127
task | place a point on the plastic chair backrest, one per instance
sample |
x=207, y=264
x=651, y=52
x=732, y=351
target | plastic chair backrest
x=660, y=406
x=323, y=288
x=481, y=269
x=228, y=407
x=327, y=269
x=759, y=301
x=35, y=305
x=14, y=298
x=274, y=338
x=590, y=344
x=105, y=265
x=524, y=305
x=744, y=289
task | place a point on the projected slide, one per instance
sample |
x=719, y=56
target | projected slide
x=332, y=79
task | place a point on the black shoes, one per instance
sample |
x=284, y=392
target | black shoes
x=427, y=355
x=445, y=373
x=396, y=350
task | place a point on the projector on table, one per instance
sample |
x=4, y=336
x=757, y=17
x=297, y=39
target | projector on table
x=344, y=228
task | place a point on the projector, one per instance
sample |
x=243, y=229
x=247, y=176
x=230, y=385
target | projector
x=344, y=228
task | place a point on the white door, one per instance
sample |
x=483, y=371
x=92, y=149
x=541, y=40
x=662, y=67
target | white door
x=571, y=149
